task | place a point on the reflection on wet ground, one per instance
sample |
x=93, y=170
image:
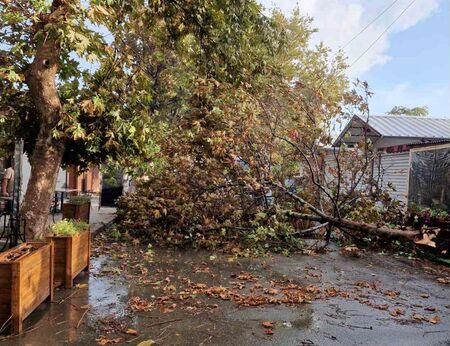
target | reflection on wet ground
x=354, y=306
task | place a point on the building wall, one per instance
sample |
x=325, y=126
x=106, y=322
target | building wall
x=385, y=142
x=89, y=181
x=394, y=169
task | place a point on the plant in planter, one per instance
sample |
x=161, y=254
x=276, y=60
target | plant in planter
x=77, y=208
x=26, y=280
x=72, y=243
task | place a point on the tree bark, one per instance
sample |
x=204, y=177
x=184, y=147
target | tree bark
x=47, y=155
x=359, y=226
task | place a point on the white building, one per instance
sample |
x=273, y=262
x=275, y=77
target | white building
x=413, y=155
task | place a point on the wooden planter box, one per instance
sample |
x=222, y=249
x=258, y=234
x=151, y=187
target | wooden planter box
x=25, y=283
x=79, y=212
x=72, y=255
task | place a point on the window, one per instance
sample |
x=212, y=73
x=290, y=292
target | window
x=429, y=179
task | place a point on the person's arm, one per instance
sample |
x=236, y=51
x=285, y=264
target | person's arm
x=4, y=187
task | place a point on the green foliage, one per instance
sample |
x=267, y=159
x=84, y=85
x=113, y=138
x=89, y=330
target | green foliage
x=68, y=227
x=115, y=233
x=415, y=111
x=126, y=68
x=82, y=199
x=376, y=209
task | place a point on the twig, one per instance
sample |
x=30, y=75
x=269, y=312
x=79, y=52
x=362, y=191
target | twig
x=311, y=229
x=82, y=316
x=4, y=325
x=436, y=331
x=163, y=322
x=206, y=340
x=131, y=340
x=360, y=327
x=71, y=295
x=61, y=331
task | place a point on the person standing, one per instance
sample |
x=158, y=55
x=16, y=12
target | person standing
x=7, y=188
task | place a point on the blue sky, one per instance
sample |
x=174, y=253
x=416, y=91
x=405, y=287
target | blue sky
x=410, y=63
x=418, y=72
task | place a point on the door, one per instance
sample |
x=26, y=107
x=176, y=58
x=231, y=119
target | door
x=112, y=188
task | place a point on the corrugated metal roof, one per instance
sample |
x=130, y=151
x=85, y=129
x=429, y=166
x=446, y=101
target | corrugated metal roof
x=410, y=126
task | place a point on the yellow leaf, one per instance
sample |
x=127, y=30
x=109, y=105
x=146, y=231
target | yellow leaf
x=131, y=331
x=81, y=285
x=426, y=240
x=148, y=342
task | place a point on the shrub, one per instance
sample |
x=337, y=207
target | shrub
x=68, y=227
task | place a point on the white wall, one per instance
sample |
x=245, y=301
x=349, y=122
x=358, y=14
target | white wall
x=391, y=168
x=394, y=169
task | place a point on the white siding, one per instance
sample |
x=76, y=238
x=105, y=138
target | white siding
x=394, y=169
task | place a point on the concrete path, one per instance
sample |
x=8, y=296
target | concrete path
x=370, y=300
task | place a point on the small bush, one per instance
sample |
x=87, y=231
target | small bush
x=68, y=227
x=78, y=200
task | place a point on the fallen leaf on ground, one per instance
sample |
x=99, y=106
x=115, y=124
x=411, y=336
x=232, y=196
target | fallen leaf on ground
x=87, y=306
x=267, y=324
x=435, y=319
x=131, y=331
x=104, y=340
x=390, y=293
x=81, y=285
x=351, y=251
x=425, y=295
x=246, y=277
x=444, y=281
x=139, y=304
x=272, y=291
x=148, y=342
x=384, y=306
x=269, y=331
x=430, y=308
x=397, y=312
x=417, y=317
x=427, y=240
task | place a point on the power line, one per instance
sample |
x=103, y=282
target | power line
x=364, y=29
x=381, y=35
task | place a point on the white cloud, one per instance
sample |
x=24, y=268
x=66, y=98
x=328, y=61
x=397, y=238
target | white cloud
x=339, y=21
x=411, y=95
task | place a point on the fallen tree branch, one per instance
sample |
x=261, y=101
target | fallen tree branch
x=310, y=230
x=358, y=226
x=299, y=200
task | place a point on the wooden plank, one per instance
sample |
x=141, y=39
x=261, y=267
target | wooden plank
x=35, y=281
x=76, y=251
x=69, y=277
x=29, y=284
x=5, y=293
x=88, y=264
x=16, y=303
x=52, y=269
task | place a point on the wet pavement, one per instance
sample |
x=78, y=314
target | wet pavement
x=362, y=294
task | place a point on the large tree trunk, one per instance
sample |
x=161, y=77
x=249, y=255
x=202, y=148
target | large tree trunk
x=46, y=158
